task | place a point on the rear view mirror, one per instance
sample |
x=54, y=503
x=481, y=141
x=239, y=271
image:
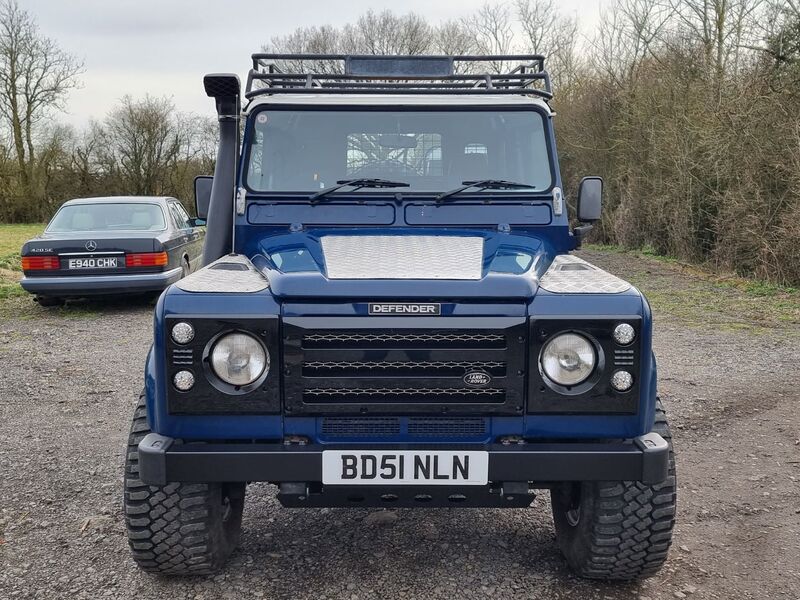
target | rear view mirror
x=202, y=195
x=590, y=199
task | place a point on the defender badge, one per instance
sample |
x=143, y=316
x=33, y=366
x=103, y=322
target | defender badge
x=477, y=378
x=405, y=308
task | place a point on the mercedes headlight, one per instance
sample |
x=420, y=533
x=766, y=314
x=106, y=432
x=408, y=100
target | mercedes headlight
x=568, y=359
x=239, y=359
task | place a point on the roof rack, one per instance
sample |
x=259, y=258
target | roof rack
x=382, y=74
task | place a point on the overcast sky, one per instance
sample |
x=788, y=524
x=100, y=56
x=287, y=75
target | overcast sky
x=164, y=47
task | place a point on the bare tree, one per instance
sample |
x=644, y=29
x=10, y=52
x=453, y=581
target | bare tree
x=387, y=33
x=781, y=33
x=723, y=28
x=493, y=29
x=553, y=35
x=630, y=31
x=372, y=33
x=83, y=158
x=142, y=141
x=453, y=37
x=538, y=19
x=311, y=40
x=35, y=77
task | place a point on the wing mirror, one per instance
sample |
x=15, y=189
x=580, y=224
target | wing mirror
x=590, y=199
x=590, y=204
x=202, y=195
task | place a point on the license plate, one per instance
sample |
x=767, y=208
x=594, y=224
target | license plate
x=93, y=263
x=405, y=467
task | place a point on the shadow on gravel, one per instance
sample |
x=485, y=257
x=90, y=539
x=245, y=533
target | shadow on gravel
x=111, y=304
x=26, y=307
x=436, y=553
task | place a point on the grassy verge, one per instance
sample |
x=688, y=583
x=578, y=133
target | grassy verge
x=11, y=239
x=701, y=298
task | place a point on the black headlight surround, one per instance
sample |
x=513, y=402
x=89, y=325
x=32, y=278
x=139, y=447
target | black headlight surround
x=595, y=395
x=262, y=397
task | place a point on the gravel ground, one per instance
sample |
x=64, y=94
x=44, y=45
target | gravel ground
x=68, y=384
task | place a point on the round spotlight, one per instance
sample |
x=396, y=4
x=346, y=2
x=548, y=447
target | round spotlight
x=622, y=381
x=568, y=359
x=182, y=332
x=624, y=334
x=183, y=380
x=239, y=359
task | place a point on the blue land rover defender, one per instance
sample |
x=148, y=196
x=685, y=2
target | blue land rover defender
x=389, y=316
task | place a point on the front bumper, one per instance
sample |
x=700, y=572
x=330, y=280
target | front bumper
x=164, y=459
x=86, y=285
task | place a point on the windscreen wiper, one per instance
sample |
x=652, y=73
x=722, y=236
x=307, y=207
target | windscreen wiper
x=357, y=184
x=485, y=184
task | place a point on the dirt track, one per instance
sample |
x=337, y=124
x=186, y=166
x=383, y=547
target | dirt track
x=68, y=382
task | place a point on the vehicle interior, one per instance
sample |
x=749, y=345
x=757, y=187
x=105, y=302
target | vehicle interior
x=117, y=216
x=307, y=150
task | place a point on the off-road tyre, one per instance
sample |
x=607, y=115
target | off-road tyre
x=49, y=301
x=179, y=528
x=617, y=530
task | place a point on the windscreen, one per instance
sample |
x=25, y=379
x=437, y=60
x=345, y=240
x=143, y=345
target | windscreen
x=432, y=151
x=108, y=217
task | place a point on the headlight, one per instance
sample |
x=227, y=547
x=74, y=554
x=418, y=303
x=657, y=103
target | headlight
x=568, y=359
x=239, y=359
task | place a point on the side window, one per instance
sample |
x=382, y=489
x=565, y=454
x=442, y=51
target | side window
x=182, y=212
x=476, y=149
x=179, y=221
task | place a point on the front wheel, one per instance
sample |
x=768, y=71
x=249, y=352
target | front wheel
x=179, y=528
x=617, y=530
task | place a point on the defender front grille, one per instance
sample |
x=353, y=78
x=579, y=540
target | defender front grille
x=360, y=427
x=418, y=340
x=414, y=427
x=419, y=368
x=458, y=427
x=477, y=367
x=408, y=395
